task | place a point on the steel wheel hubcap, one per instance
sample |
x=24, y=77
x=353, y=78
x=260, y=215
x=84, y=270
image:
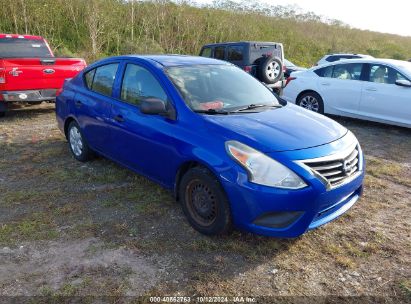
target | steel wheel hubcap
x=273, y=70
x=310, y=102
x=201, y=203
x=76, y=142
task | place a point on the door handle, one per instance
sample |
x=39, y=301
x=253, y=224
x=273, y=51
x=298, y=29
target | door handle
x=371, y=89
x=325, y=83
x=78, y=103
x=119, y=118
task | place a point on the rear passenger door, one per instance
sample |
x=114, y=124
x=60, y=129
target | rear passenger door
x=92, y=105
x=340, y=86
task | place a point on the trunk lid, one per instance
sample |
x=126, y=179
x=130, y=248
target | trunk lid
x=38, y=73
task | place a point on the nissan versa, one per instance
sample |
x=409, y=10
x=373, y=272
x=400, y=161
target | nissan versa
x=233, y=153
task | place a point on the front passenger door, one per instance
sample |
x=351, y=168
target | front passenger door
x=382, y=98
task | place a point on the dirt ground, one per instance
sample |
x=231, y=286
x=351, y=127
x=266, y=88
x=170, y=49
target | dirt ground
x=74, y=229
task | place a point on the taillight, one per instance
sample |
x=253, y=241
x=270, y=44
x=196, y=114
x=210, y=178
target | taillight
x=248, y=68
x=289, y=79
x=2, y=75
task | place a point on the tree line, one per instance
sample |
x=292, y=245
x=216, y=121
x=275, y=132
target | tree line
x=97, y=28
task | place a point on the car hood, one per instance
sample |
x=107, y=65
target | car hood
x=276, y=130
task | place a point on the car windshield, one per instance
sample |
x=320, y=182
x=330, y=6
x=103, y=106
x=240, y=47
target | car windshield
x=406, y=66
x=220, y=88
x=288, y=63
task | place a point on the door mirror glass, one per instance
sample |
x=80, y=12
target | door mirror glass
x=403, y=83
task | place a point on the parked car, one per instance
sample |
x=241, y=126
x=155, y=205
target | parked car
x=291, y=67
x=371, y=89
x=29, y=72
x=232, y=153
x=335, y=57
x=263, y=60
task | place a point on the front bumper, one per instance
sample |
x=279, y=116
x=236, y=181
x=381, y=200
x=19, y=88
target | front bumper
x=29, y=95
x=254, y=206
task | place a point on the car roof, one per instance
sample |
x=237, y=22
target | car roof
x=342, y=54
x=14, y=36
x=242, y=42
x=172, y=59
x=405, y=66
x=367, y=60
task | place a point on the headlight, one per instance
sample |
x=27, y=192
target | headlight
x=262, y=169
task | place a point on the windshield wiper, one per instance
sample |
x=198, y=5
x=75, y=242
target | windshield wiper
x=255, y=106
x=212, y=112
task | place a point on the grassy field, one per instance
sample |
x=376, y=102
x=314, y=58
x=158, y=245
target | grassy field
x=69, y=228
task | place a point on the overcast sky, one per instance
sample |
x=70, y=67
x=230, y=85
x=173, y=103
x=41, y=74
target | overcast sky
x=387, y=16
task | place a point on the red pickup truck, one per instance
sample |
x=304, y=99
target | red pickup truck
x=29, y=72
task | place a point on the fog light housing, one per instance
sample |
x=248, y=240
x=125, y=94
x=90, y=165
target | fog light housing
x=278, y=220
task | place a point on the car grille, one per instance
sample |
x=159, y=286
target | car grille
x=338, y=169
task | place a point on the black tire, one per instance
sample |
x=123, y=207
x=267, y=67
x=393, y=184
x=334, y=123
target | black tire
x=77, y=143
x=2, y=114
x=270, y=70
x=204, y=202
x=311, y=101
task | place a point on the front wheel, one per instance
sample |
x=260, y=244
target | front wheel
x=311, y=101
x=78, y=145
x=204, y=202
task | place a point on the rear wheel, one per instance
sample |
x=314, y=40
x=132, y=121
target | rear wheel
x=311, y=101
x=204, y=202
x=78, y=145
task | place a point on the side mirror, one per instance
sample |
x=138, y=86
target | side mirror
x=155, y=106
x=403, y=83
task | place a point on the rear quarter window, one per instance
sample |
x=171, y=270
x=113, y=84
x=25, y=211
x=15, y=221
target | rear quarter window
x=325, y=72
x=88, y=77
x=235, y=53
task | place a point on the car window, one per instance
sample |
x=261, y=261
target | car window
x=350, y=71
x=383, y=74
x=104, y=77
x=206, y=52
x=219, y=52
x=235, y=53
x=325, y=72
x=331, y=58
x=89, y=77
x=138, y=84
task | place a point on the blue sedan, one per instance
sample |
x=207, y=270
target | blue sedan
x=233, y=153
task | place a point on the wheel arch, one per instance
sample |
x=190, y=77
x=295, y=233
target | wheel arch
x=184, y=168
x=307, y=91
x=67, y=123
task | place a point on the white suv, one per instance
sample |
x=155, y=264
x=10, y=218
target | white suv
x=335, y=57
